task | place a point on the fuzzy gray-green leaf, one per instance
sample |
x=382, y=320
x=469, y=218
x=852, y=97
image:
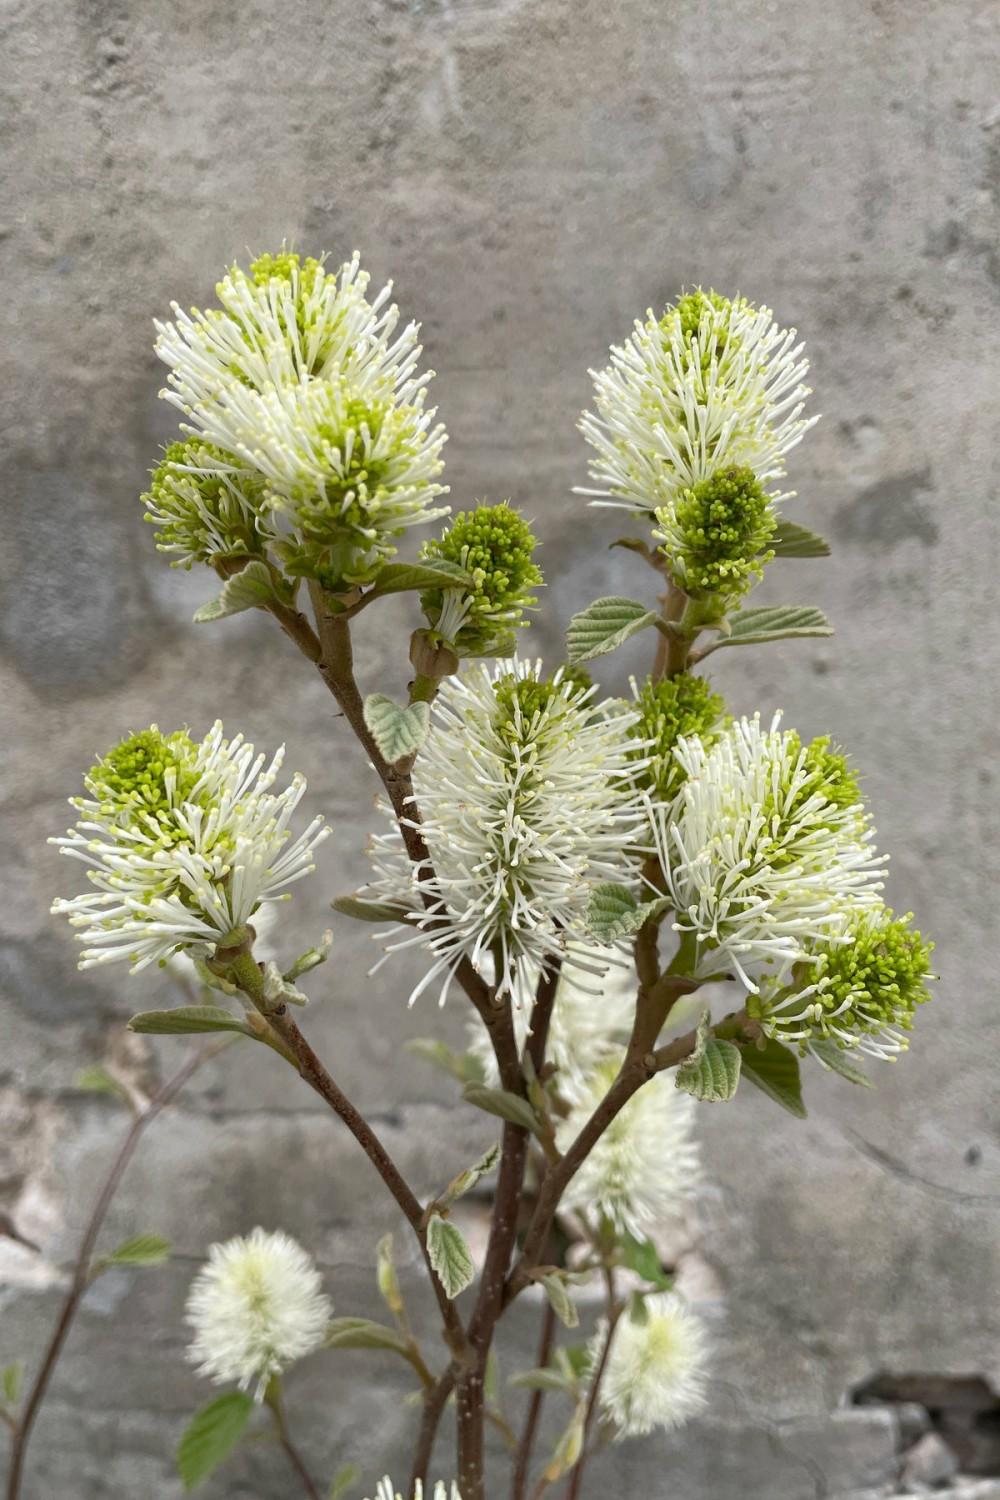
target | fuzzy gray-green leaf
x=398, y=732
x=838, y=1060
x=712, y=1075
x=751, y=627
x=449, y=1255
x=605, y=625
x=505, y=1105
x=792, y=540
x=184, y=1019
x=247, y=589
x=614, y=913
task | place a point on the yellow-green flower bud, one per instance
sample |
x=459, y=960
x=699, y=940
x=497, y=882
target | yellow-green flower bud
x=495, y=546
x=715, y=537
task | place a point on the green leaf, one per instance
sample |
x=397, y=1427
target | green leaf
x=775, y=1071
x=449, y=1255
x=614, y=913
x=186, y=1018
x=396, y=578
x=211, y=1436
x=837, y=1060
x=499, y=1102
x=561, y=1302
x=363, y=1333
x=368, y=911
x=385, y=1275
x=542, y=1380
x=398, y=732
x=247, y=589
x=345, y=1479
x=569, y=1447
x=144, y=1250
x=634, y=544
x=97, y=1080
x=604, y=625
x=11, y=1380
x=752, y=626
x=465, y=1066
x=463, y=1182
x=713, y=1075
x=792, y=540
x=642, y=1257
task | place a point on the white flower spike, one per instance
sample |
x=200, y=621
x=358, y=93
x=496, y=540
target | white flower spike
x=527, y=797
x=385, y=1491
x=255, y=1308
x=655, y=1374
x=185, y=841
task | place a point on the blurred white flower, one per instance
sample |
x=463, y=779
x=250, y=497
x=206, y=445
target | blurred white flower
x=184, y=840
x=385, y=1491
x=527, y=797
x=255, y=1308
x=655, y=1375
x=645, y=1165
x=711, y=385
x=766, y=850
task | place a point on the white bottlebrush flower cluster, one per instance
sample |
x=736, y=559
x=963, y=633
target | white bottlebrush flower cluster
x=766, y=851
x=184, y=840
x=308, y=418
x=255, y=1308
x=656, y=1370
x=386, y=1491
x=714, y=384
x=527, y=797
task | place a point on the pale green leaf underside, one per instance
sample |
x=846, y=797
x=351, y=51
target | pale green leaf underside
x=714, y=1075
x=397, y=577
x=184, y=1019
x=752, y=626
x=562, y=1303
x=397, y=731
x=11, y=1379
x=792, y=540
x=368, y=911
x=449, y=1255
x=363, y=1333
x=504, y=1105
x=605, y=625
x=211, y=1435
x=465, y=1181
x=143, y=1250
x=247, y=589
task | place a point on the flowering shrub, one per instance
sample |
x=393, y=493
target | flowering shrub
x=640, y=901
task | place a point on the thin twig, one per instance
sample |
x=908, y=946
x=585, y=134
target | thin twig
x=277, y=1405
x=614, y=1313
x=532, y=1417
x=435, y=1401
x=80, y=1278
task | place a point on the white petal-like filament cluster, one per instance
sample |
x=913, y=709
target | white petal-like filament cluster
x=182, y=874
x=760, y=863
x=255, y=1308
x=675, y=407
x=526, y=798
x=656, y=1371
x=386, y=1491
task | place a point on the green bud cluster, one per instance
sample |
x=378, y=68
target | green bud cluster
x=674, y=707
x=863, y=987
x=531, y=695
x=828, y=776
x=145, y=774
x=495, y=545
x=692, y=315
x=205, y=515
x=715, y=537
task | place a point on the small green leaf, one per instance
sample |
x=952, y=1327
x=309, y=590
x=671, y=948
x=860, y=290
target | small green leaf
x=186, y=1018
x=542, y=1380
x=465, y=1066
x=792, y=540
x=642, y=1257
x=396, y=578
x=752, y=626
x=385, y=1275
x=368, y=911
x=713, y=1075
x=363, y=1333
x=775, y=1071
x=345, y=1479
x=614, y=913
x=569, y=1446
x=838, y=1060
x=449, y=1255
x=211, y=1436
x=398, y=732
x=506, y=1106
x=97, y=1080
x=11, y=1380
x=561, y=1302
x=604, y=625
x=247, y=589
x=634, y=544
x=144, y=1250
x=311, y=958
x=463, y=1182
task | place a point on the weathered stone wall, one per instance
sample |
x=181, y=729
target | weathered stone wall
x=533, y=175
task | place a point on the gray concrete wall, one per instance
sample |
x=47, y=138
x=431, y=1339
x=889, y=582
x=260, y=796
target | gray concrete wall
x=533, y=175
